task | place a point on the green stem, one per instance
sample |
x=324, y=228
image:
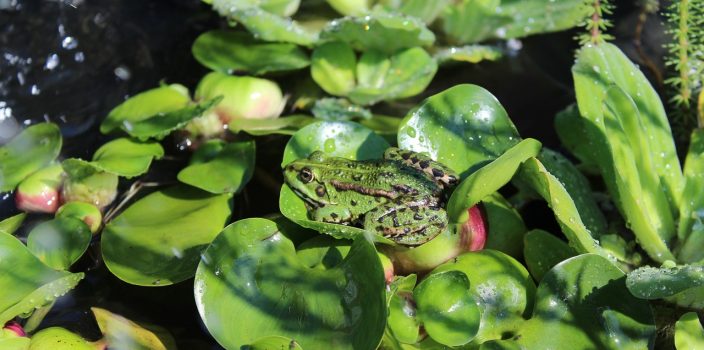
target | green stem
x=683, y=52
x=37, y=317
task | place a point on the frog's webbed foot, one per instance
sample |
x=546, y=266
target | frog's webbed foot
x=332, y=213
x=440, y=173
x=411, y=223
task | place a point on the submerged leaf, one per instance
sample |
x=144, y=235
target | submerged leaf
x=59, y=242
x=123, y=334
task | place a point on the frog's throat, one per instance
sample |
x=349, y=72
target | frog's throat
x=307, y=198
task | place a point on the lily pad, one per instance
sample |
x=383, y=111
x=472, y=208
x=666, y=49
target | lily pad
x=26, y=282
x=34, y=148
x=11, y=224
x=158, y=240
x=122, y=334
x=343, y=307
x=689, y=333
x=127, y=157
x=385, y=32
x=453, y=319
x=228, y=51
x=502, y=288
x=462, y=127
x=542, y=251
x=220, y=167
x=285, y=125
x=273, y=342
x=583, y=302
x=59, y=242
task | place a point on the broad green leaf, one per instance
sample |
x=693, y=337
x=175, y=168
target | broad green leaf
x=401, y=322
x=542, y=251
x=343, y=307
x=573, y=135
x=220, y=167
x=502, y=288
x=657, y=283
x=333, y=68
x=691, y=227
x=267, y=26
x=471, y=21
x=385, y=32
x=161, y=100
x=277, y=7
x=228, y=51
x=338, y=139
x=426, y=11
x=335, y=109
x=462, y=127
x=597, y=68
x=57, y=338
x=284, y=125
x=689, y=333
x=127, y=157
x=160, y=125
x=468, y=53
x=11, y=224
x=123, y=334
x=157, y=240
x=88, y=213
x=26, y=282
x=505, y=226
x=583, y=302
x=537, y=177
x=385, y=126
x=489, y=179
x=272, y=343
x=453, y=319
x=34, y=148
x=59, y=242
x=14, y=343
x=350, y=7
x=321, y=252
x=578, y=188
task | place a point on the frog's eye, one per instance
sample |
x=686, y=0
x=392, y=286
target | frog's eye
x=306, y=175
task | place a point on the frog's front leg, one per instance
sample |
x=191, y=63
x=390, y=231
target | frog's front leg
x=409, y=223
x=336, y=214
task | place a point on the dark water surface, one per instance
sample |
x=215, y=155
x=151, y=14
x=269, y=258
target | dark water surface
x=70, y=62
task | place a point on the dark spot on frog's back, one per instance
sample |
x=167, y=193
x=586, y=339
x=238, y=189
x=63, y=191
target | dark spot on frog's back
x=438, y=172
x=424, y=164
x=405, y=156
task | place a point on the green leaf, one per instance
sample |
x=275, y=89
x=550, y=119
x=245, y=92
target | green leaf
x=14, y=342
x=335, y=109
x=220, y=167
x=468, y=53
x=505, y=226
x=228, y=52
x=502, y=288
x=350, y=7
x=542, y=251
x=597, y=69
x=584, y=302
x=333, y=68
x=266, y=25
x=161, y=100
x=573, y=135
x=691, y=228
x=86, y=182
x=426, y=11
x=284, y=125
x=343, y=307
x=11, y=224
x=534, y=174
x=273, y=342
x=26, y=282
x=127, y=157
x=123, y=334
x=689, y=333
x=489, y=179
x=160, y=125
x=462, y=127
x=57, y=338
x=338, y=139
x=59, y=242
x=453, y=319
x=277, y=7
x=470, y=21
x=401, y=321
x=657, y=283
x=157, y=241
x=34, y=148
x=385, y=32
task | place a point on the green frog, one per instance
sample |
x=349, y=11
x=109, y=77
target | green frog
x=400, y=197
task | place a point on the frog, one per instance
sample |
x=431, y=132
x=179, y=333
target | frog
x=400, y=196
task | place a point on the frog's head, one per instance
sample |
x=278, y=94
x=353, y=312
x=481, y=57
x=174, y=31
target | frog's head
x=304, y=177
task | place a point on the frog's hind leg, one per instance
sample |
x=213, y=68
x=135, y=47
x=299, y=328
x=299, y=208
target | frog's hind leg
x=435, y=170
x=406, y=223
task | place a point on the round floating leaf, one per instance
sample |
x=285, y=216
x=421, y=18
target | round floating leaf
x=453, y=319
x=59, y=242
x=583, y=302
x=220, y=167
x=461, y=127
x=11, y=224
x=542, y=251
x=402, y=321
x=34, y=148
x=227, y=52
x=123, y=334
x=272, y=343
x=158, y=239
x=26, y=282
x=338, y=139
x=689, y=333
x=250, y=284
x=57, y=338
x=164, y=99
x=284, y=125
x=501, y=286
x=127, y=157
x=333, y=68
x=385, y=32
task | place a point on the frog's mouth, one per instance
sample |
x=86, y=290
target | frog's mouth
x=306, y=198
